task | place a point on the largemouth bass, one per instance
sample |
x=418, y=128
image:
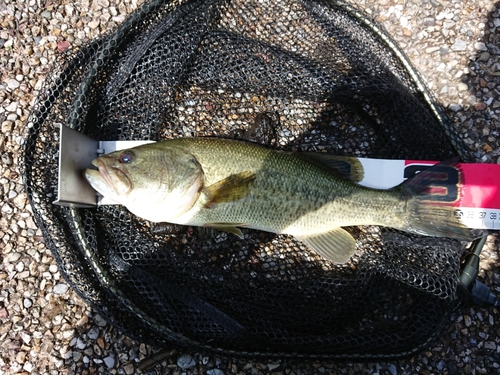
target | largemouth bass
x=228, y=185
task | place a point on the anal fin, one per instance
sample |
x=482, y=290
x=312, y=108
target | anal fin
x=336, y=245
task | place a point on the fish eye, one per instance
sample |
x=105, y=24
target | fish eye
x=126, y=157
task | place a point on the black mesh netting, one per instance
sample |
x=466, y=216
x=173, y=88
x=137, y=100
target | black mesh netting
x=295, y=75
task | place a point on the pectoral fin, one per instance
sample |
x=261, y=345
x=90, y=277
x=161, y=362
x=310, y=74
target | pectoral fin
x=347, y=167
x=227, y=227
x=336, y=245
x=230, y=189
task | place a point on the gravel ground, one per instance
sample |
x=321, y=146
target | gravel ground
x=47, y=329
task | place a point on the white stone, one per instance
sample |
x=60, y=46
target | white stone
x=80, y=344
x=69, y=9
x=93, y=24
x=20, y=267
x=93, y=333
x=480, y=46
x=13, y=84
x=68, y=334
x=404, y=21
x=110, y=361
x=12, y=107
x=28, y=367
x=12, y=257
x=459, y=45
x=25, y=337
x=7, y=209
x=60, y=288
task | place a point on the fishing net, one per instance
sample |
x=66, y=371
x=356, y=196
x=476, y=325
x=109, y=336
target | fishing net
x=293, y=75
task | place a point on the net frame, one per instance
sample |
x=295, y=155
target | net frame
x=88, y=244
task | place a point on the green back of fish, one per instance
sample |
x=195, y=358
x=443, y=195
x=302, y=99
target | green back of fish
x=287, y=191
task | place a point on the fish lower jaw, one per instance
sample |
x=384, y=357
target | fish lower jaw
x=158, y=214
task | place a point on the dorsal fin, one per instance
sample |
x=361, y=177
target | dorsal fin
x=347, y=167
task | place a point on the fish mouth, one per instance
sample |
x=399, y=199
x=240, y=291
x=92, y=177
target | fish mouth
x=103, y=170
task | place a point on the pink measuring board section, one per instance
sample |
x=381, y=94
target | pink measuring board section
x=479, y=183
x=474, y=189
x=478, y=191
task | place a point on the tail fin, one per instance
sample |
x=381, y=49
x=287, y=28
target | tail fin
x=431, y=195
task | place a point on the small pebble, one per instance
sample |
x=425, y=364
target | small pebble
x=20, y=267
x=393, y=370
x=440, y=365
x=467, y=320
x=7, y=209
x=129, y=369
x=4, y=313
x=483, y=57
x=12, y=84
x=459, y=45
x=93, y=334
x=12, y=107
x=480, y=106
x=28, y=367
x=46, y=14
x=93, y=24
x=80, y=344
x=12, y=257
x=21, y=357
x=7, y=126
x=53, y=268
x=110, y=361
x=273, y=366
x=62, y=45
x=60, y=288
x=490, y=345
x=99, y=321
x=186, y=361
x=25, y=336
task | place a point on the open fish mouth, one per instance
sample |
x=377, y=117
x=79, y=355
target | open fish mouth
x=102, y=177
